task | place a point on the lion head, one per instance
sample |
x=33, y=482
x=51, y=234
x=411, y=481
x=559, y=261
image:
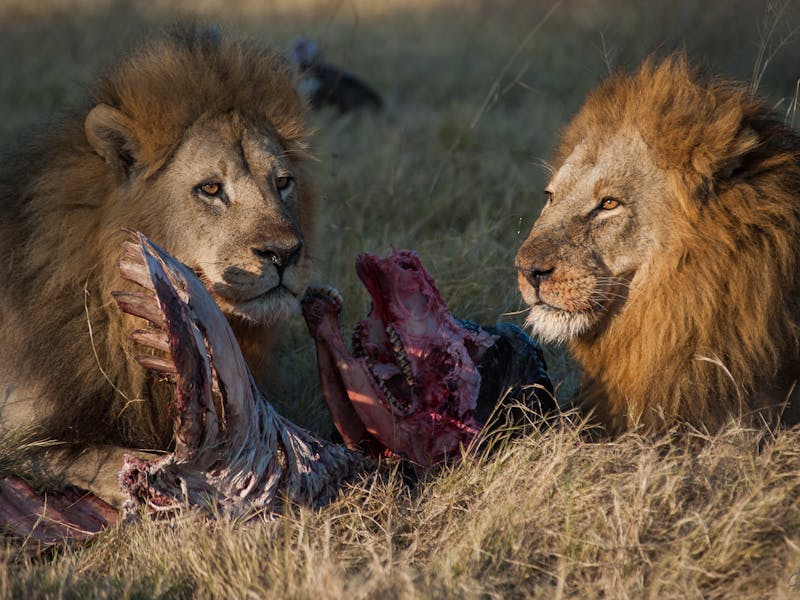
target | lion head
x=209, y=156
x=197, y=141
x=666, y=253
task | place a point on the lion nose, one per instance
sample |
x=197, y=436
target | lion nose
x=536, y=274
x=281, y=255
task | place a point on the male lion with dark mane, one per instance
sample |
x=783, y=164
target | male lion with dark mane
x=667, y=254
x=198, y=142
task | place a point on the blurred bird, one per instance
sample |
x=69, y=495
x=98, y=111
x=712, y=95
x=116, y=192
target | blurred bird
x=325, y=84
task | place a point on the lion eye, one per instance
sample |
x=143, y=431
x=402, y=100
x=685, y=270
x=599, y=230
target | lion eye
x=211, y=192
x=210, y=188
x=548, y=196
x=609, y=203
x=283, y=182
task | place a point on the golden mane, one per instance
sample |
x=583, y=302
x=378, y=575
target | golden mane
x=714, y=330
x=61, y=214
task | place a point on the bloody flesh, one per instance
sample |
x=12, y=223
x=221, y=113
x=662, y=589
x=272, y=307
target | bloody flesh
x=412, y=383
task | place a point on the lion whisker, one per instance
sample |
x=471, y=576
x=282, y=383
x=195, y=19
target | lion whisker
x=609, y=295
x=514, y=313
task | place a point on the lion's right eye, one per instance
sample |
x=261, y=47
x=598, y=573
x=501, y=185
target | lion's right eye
x=283, y=182
x=548, y=196
x=609, y=203
x=211, y=192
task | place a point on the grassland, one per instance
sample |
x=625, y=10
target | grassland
x=475, y=93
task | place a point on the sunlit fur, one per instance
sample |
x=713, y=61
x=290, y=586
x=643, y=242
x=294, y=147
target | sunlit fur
x=710, y=328
x=61, y=213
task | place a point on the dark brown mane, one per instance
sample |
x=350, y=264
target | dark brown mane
x=61, y=214
x=167, y=85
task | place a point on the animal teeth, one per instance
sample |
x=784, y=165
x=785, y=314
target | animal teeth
x=393, y=337
x=400, y=355
x=393, y=400
x=358, y=347
x=402, y=406
x=406, y=368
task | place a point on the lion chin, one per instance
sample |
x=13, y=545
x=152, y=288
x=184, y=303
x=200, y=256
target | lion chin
x=558, y=326
x=275, y=306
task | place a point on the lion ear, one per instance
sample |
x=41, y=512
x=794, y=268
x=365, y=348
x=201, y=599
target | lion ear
x=110, y=134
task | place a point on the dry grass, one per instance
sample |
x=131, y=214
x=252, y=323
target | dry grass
x=551, y=514
x=476, y=93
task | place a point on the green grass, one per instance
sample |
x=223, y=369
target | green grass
x=476, y=93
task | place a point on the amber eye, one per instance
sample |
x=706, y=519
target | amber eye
x=609, y=203
x=210, y=188
x=283, y=182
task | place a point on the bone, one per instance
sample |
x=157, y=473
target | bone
x=151, y=338
x=410, y=331
x=50, y=519
x=135, y=271
x=140, y=304
x=154, y=363
x=235, y=455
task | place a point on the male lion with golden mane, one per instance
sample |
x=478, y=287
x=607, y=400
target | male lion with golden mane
x=198, y=142
x=667, y=254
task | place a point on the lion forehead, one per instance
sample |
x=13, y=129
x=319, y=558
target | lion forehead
x=227, y=138
x=595, y=166
x=573, y=169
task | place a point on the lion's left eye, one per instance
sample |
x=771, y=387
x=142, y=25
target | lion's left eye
x=283, y=182
x=210, y=188
x=609, y=203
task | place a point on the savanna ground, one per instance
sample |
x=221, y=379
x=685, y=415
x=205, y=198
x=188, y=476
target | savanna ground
x=475, y=95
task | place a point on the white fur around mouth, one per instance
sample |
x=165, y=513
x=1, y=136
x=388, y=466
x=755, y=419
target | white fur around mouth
x=557, y=325
x=266, y=295
x=276, y=305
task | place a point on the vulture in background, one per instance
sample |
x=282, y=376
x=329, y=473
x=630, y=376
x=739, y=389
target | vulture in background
x=325, y=84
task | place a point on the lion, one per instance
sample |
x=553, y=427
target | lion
x=198, y=141
x=667, y=253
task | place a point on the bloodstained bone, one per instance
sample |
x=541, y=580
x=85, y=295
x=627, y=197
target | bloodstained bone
x=44, y=519
x=419, y=383
x=234, y=455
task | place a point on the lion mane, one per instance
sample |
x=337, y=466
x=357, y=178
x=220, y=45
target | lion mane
x=712, y=329
x=62, y=211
